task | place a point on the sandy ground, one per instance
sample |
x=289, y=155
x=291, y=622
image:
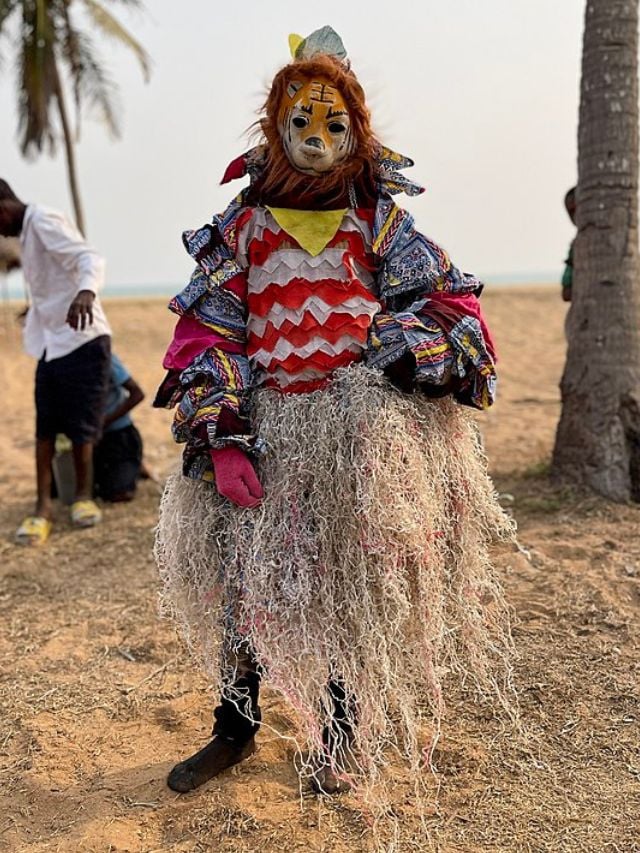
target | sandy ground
x=99, y=699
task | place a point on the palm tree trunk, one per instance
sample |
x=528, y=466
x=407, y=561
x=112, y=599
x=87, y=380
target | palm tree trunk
x=598, y=438
x=70, y=153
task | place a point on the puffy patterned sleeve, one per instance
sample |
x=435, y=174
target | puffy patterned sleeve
x=431, y=333
x=208, y=376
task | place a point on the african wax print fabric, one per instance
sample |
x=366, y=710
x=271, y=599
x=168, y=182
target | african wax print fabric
x=273, y=302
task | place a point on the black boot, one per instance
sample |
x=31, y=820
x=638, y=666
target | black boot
x=337, y=739
x=236, y=724
x=326, y=782
x=218, y=755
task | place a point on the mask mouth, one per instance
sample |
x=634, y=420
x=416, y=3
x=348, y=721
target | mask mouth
x=313, y=161
x=314, y=157
x=314, y=146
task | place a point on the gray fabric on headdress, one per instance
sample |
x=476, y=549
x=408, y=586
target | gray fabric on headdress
x=324, y=40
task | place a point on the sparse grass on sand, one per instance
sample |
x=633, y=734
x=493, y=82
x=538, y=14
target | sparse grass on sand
x=98, y=697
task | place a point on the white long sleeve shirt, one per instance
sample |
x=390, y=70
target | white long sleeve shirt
x=57, y=264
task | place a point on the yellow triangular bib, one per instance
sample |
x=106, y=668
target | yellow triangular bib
x=312, y=229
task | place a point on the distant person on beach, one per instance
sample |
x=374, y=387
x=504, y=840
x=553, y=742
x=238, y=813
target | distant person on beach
x=567, y=276
x=117, y=458
x=67, y=331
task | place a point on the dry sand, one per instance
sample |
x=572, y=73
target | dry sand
x=99, y=699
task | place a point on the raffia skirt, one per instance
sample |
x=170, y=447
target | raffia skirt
x=368, y=561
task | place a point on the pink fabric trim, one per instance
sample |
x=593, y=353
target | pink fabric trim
x=190, y=338
x=466, y=303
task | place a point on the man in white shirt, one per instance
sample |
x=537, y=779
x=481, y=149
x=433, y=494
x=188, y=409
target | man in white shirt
x=67, y=331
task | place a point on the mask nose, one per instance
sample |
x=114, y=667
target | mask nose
x=315, y=142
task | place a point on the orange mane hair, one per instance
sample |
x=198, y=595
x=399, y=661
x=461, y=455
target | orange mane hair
x=281, y=178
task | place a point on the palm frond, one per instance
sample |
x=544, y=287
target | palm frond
x=111, y=27
x=96, y=87
x=69, y=50
x=37, y=75
x=47, y=42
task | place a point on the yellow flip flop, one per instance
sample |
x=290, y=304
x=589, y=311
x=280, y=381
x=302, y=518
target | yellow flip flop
x=34, y=530
x=85, y=513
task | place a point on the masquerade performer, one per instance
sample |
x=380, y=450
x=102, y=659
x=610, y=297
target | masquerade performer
x=330, y=530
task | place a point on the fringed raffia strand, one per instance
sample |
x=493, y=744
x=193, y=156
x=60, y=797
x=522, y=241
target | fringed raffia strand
x=367, y=562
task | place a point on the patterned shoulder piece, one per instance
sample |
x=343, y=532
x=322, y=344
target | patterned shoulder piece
x=212, y=295
x=413, y=264
x=216, y=241
x=387, y=166
x=213, y=248
x=390, y=181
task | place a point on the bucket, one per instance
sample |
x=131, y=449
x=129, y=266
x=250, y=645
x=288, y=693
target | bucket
x=64, y=472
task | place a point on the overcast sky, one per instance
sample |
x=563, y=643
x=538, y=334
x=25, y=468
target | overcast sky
x=482, y=95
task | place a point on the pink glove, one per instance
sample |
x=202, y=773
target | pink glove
x=236, y=478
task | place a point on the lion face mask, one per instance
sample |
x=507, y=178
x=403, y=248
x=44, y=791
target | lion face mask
x=315, y=126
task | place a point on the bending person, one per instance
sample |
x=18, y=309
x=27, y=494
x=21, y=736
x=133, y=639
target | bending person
x=117, y=458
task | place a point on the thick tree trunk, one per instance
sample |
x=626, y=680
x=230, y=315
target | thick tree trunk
x=598, y=437
x=70, y=154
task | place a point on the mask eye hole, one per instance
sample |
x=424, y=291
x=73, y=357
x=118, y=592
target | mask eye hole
x=299, y=121
x=337, y=127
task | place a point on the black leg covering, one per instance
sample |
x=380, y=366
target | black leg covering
x=237, y=717
x=337, y=738
x=343, y=713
